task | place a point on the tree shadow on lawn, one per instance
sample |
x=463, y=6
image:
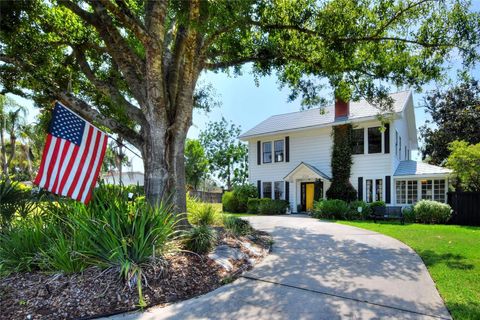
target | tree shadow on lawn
x=452, y=261
x=465, y=311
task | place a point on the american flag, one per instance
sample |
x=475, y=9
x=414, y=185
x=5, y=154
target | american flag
x=72, y=156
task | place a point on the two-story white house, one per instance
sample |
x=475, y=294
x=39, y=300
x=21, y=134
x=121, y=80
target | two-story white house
x=289, y=152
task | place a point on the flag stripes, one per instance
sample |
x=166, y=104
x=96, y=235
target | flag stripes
x=67, y=168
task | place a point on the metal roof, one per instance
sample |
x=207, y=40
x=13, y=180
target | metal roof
x=322, y=116
x=411, y=168
x=319, y=173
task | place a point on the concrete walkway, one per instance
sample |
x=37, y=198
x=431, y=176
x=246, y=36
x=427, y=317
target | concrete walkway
x=319, y=270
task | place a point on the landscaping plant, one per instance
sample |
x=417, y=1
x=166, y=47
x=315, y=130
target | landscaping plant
x=270, y=206
x=237, y=226
x=428, y=211
x=200, y=239
x=204, y=214
x=331, y=209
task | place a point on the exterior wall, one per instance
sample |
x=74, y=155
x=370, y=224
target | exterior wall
x=128, y=178
x=314, y=147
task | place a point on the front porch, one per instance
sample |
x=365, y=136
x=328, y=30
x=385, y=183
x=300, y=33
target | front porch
x=308, y=185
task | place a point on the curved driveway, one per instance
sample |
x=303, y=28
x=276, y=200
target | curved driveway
x=320, y=270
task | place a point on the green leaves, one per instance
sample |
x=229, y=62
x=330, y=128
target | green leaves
x=465, y=161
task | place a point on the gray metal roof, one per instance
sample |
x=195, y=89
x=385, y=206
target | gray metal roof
x=411, y=168
x=312, y=168
x=314, y=117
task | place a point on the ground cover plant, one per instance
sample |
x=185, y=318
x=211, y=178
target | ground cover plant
x=452, y=256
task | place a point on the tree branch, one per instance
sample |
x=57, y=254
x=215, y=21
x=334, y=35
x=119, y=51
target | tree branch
x=107, y=88
x=89, y=113
x=128, y=19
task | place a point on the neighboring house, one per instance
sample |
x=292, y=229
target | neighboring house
x=289, y=152
x=127, y=178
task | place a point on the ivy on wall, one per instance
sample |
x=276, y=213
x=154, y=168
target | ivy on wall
x=341, y=188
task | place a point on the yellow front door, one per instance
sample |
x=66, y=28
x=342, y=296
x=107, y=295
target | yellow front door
x=310, y=190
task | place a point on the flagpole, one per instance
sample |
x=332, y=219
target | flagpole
x=108, y=135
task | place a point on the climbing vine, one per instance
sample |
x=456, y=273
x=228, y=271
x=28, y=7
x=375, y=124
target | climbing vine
x=341, y=188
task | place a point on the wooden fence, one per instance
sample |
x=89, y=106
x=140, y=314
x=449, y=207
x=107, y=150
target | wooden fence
x=466, y=208
x=211, y=197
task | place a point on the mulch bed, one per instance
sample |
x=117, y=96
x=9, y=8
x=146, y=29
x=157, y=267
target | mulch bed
x=96, y=292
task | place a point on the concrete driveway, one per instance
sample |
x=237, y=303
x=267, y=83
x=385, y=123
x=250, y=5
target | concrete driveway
x=320, y=270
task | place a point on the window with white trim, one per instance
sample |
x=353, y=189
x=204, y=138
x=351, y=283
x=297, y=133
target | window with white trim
x=396, y=143
x=433, y=190
x=369, y=190
x=378, y=190
x=278, y=144
x=267, y=190
x=400, y=148
x=406, y=191
x=374, y=140
x=267, y=152
x=358, y=141
x=278, y=190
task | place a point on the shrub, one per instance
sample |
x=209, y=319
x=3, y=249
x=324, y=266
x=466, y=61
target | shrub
x=376, y=204
x=353, y=214
x=427, y=211
x=331, y=209
x=229, y=202
x=408, y=214
x=252, y=205
x=243, y=193
x=200, y=239
x=13, y=195
x=237, y=226
x=269, y=206
x=204, y=214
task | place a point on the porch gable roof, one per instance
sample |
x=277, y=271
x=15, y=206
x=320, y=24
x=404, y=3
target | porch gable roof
x=314, y=172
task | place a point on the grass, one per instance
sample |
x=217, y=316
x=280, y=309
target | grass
x=452, y=256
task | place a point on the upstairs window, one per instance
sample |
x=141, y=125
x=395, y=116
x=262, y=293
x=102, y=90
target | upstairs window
x=396, y=143
x=267, y=190
x=358, y=141
x=374, y=140
x=279, y=147
x=400, y=148
x=267, y=152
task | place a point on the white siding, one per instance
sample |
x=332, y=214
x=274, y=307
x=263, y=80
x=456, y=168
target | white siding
x=315, y=147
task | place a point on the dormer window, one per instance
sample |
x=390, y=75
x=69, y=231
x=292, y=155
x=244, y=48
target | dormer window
x=267, y=152
x=279, y=147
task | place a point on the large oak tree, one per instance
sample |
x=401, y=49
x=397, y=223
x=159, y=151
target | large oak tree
x=132, y=66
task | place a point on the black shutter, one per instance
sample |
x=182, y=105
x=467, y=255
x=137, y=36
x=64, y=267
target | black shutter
x=287, y=191
x=386, y=135
x=388, y=189
x=259, y=187
x=259, y=153
x=287, y=149
x=360, y=188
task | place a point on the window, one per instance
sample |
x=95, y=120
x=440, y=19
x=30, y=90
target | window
x=267, y=152
x=358, y=141
x=433, y=190
x=278, y=150
x=374, y=140
x=400, y=148
x=400, y=187
x=412, y=191
x=369, y=189
x=267, y=190
x=378, y=189
x=278, y=190
x=407, y=191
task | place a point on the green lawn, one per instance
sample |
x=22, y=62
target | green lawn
x=452, y=256
x=218, y=206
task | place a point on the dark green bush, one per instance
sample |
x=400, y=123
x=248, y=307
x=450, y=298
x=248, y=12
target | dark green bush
x=427, y=211
x=229, y=202
x=331, y=209
x=200, y=239
x=237, y=200
x=252, y=205
x=353, y=214
x=270, y=206
x=237, y=226
x=243, y=193
x=13, y=197
x=376, y=204
x=408, y=214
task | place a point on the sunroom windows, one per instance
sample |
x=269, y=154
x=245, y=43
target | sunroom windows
x=412, y=191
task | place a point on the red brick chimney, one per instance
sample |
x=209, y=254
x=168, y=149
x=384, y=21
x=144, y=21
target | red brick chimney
x=342, y=108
